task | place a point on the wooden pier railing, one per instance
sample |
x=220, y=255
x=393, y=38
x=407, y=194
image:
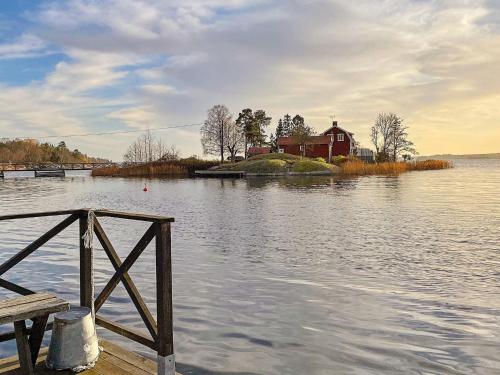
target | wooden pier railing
x=160, y=337
x=40, y=166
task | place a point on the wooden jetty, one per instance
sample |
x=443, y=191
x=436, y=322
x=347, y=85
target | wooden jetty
x=220, y=174
x=113, y=360
x=159, y=334
x=32, y=166
x=50, y=173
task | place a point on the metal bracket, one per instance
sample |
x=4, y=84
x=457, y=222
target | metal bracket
x=166, y=365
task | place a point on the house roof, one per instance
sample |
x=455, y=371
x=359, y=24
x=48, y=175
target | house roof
x=313, y=140
x=349, y=134
x=338, y=127
x=259, y=150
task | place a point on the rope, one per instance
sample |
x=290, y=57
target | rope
x=88, y=236
x=88, y=242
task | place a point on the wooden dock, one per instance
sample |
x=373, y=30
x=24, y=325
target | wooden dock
x=220, y=174
x=158, y=335
x=113, y=360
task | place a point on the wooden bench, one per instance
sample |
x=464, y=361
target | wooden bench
x=36, y=307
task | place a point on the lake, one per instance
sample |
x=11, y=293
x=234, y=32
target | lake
x=371, y=275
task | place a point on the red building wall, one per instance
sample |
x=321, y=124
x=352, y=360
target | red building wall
x=322, y=148
x=342, y=147
x=312, y=151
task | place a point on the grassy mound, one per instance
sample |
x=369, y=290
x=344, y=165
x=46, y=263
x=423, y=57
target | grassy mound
x=275, y=156
x=258, y=166
x=279, y=164
x=306, y=165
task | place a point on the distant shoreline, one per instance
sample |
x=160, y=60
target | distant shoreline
x=463, y=156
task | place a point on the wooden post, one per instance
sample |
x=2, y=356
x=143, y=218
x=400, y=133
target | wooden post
x=166, y=359
x=23, y=347
x=86, y=282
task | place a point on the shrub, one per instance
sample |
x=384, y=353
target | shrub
x=339, y=160
x=320, y=159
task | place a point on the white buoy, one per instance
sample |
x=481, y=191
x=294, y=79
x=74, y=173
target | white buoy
x=73, y=344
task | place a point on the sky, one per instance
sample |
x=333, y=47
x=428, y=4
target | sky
x=92, y=66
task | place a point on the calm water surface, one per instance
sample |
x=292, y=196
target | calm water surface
x=376, y=275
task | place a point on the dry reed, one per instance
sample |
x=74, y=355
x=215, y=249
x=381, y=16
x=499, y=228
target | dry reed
x=359, y=168
x=174, y=168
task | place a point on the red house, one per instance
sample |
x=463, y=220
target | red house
x=252, y=151
x=332, y=142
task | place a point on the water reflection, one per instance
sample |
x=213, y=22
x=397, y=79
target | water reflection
x=306, y=184
x=317, y=275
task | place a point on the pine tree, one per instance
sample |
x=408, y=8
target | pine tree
x=246, y=120
x=273, y=142
x=279, y=133
x=254, y=125
x=301, y=132
x=297, y=122
x=287, y=125
x=261, y=122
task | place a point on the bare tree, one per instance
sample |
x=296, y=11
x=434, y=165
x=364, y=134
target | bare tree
x=170, y=153
x=148, y=145
x=399, y=139
x=235, y=139
x=390, y=137
x=214, y=131
x=381, y=134
x=147, y=148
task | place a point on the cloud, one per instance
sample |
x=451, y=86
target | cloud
x=154, y=62
x=158, y=89
x=135, y=117
x=27, y=45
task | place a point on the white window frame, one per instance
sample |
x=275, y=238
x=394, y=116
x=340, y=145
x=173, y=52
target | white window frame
x=340, y=137
x=281, y=151
x=301, y=147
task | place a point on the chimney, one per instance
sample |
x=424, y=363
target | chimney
x=334, y=123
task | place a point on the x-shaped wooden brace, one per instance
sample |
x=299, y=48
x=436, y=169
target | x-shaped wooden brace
x=122, y=275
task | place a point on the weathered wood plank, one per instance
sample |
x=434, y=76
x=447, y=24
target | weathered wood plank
x=32, y=306
x=115, y=360
x=86, y=259
x=133, y=216
x=37, y=214
x=36, y=336
x=15, y=301
x=23, y=347
x=164, y=289
x=110, y=361
x=130, y=357
x=15, y=288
